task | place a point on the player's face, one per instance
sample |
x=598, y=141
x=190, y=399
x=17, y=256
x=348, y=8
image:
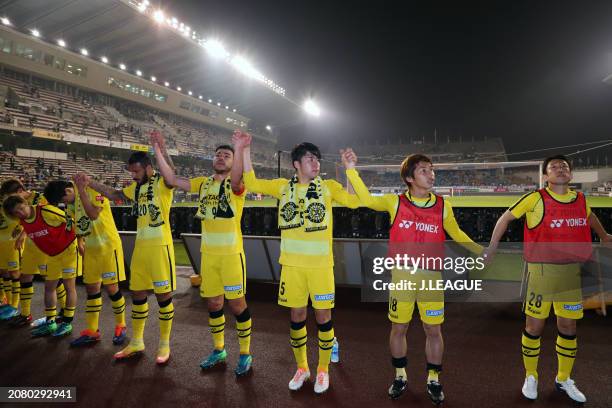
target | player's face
x=140, y=174
x=308, y=166
x=223, y=161
x=22, y=211
x=423, y=176
x=558, y=172
x=69, y=196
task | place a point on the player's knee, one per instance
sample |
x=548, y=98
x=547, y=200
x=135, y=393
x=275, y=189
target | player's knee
x=215, y=303
x=535, y=326
x=566, y=326
x=432, y=330
x=325, y=327
x=298, y=315
x=398, y=330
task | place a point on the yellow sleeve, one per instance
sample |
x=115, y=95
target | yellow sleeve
x=97, y=199
x=452, y=228
x=525, y=204
x=588, y=210
x=269, y=187
x=130, y=191
x=387, y=202
x=341, y=196
x=195, y=183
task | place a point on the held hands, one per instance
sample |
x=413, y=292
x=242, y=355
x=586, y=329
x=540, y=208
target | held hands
x=349, y=158
x=157, y=139
x=488, y=254
x=19, y=242
x=241, y=139
x=81, y=180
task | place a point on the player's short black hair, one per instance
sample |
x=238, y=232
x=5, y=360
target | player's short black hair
x=225, y=147
x=56, y=190
x=10, y=202
x=10, y=186
x=555, y=157
x=300, y=151
x=140, y=157
x=409, y=165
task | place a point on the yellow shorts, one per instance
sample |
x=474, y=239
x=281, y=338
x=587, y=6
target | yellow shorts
x=429, y=302
x=33, y=260
x=64, y=265
x=298, y=283
x=152, y=268
x=104, y=266
x=553, y=285
x=9, y=256
x=223, y=274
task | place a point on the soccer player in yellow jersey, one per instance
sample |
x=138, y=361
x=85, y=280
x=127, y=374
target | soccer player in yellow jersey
x=34, y=261
x=305, y=220
x=416, y=205
x=103, y=257
x=557, y=238
x=152, y=266
x=52, y=232
x=9, y=258
x=221, y=200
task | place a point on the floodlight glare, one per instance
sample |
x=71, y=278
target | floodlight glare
x=200, y=97
x=35, y=32
x=6, y=21
x=210, y=101
x=167, y=83
x=158, y=16
x=234, y=110
x=84, y=52
x=311, y=108
x=226, y=107
x=138, y=72
x=190, y=93
x=178, y=88
x=268, y=128
x=153, y=79
x=244, y=66
x=61, y=43
x=218, y=103
x=216, y=49
x=122, y=66
x=104, y=60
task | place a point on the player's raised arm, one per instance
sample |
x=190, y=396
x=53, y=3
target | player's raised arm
x=107, y=191
x=238, y=164
x=80, y=181
x=384, y=203
x=165, y=169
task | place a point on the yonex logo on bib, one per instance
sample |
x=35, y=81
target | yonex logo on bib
x=572, y=307
x=329, y=296
x=232, y=288
x=160, y=283
x=108, y=275
x=570, y=222
x=434, y=312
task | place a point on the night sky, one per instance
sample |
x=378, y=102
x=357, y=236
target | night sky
x=527, y=71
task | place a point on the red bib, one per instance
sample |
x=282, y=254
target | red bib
x=563, y=235
x=50, y=240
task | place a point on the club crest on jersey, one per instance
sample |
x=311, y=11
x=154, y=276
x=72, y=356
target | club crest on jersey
x=316, y=212
x=83, y=223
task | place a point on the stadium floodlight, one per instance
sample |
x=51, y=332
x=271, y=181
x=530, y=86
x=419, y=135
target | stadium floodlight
x=84, y=52
x=234, y=110
x=189, y=93
x=178, y=88
x=199, y=96
x=312, y=108
x=138, y=72
x=167, y=83
x=218, y=103
x=6, y=21
x=153, y=79
x=268, y=128
x=35, y=32
x=244, y=66
x=216, y=49
x=158, y=16
x=142, y=7
x=209, y=100
x=61, y=43
x=122, y=66
x=104, y=60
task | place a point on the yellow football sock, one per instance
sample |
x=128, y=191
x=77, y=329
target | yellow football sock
x=61, y=294
x=27, y=292
x=566, y=355
x=166, y=314
x=93, y=306
x=68, y=314
x=433, y=372
x=299, y=338
x=326, y=343
x=140, y=312
x=50, y=313
x=16, y=288
x=118, y=302
x=531, y=353
x=216, y=324
x=8, y=291
x=243, y=329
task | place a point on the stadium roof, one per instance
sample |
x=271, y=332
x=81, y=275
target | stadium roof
x=121, y=33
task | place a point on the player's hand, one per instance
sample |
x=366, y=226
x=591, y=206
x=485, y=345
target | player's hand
x=80, y=180
x=488, y=254
x=19, y=242
x=241, y=139
x=607, y=241
x=156, y=139
x=349, y=158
